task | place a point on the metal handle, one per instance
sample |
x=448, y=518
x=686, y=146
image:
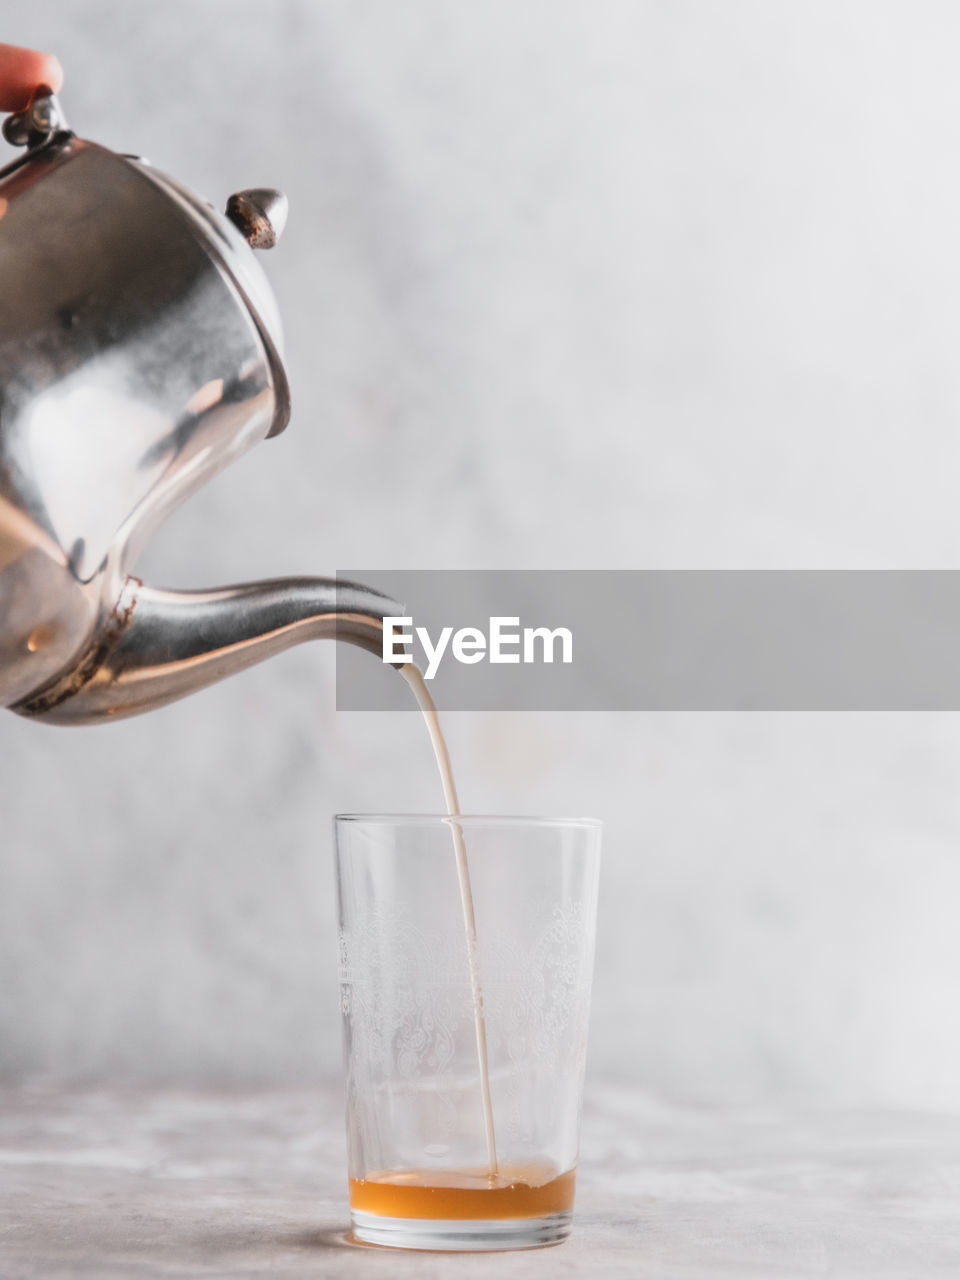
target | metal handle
x=41, y=120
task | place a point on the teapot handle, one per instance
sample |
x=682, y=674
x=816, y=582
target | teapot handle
x=40, y=121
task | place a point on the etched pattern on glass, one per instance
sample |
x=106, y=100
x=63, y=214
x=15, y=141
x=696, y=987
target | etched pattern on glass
x=406, y=995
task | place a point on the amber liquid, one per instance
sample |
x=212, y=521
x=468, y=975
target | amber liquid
x=519, y=1191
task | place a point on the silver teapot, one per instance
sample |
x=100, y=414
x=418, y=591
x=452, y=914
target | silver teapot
x=140, y=352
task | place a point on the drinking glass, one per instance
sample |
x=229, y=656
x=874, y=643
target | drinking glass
x=466, y=954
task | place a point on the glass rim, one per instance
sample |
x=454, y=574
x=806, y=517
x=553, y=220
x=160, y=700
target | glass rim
x=471, y=819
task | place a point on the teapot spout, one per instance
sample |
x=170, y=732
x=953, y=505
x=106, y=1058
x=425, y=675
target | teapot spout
x=159, y=646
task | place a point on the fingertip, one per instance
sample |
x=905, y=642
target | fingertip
x=52, y=73
x=22, y=71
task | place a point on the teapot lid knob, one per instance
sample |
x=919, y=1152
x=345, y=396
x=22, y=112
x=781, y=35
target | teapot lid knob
x=260, y=214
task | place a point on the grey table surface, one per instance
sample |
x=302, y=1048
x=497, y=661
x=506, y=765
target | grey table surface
x=131, y=1182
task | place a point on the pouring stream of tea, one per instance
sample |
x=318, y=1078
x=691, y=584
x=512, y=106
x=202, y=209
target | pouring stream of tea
x=428, y=707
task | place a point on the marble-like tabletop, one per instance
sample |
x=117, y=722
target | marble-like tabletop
x=133, y=1182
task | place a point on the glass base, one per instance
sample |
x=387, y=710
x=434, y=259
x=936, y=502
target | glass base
x=461, y=1235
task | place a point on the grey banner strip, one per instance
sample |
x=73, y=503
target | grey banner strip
x=674, y=640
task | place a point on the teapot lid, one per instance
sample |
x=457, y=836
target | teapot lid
x=253, y=219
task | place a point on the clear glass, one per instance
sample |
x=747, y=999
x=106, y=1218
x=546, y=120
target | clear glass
x=448, y=962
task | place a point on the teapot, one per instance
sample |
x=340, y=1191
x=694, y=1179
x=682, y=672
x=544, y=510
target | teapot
x=140, y=352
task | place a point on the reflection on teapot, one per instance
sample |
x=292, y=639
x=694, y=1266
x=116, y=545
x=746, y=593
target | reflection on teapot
x=140, y=352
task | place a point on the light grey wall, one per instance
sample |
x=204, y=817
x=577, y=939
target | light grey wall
x=565, y=284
